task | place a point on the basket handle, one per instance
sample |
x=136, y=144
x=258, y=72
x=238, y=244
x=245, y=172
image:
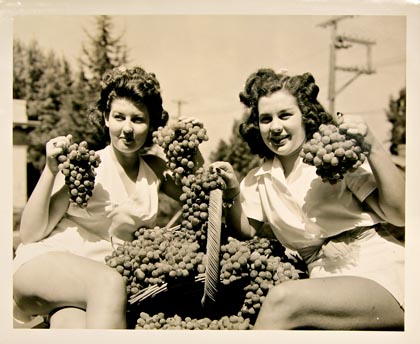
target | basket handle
x=214, y=226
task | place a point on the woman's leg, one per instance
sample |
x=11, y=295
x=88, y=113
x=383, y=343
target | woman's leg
x=56, y=279
x=68, y=317
x=336, y=303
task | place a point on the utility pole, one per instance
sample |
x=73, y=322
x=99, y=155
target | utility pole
x=344, y=42
x=179, y=103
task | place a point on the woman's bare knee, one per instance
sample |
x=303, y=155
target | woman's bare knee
x=108, y=287
x=68, y=317
x=279, y=308
x=109, y=281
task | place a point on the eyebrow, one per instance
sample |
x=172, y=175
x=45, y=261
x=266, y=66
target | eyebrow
x=137, y=114
x=280, y=112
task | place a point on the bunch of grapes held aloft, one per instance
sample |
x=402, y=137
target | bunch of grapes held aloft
x=78, y=163
x=180, y=142
x=335, y=150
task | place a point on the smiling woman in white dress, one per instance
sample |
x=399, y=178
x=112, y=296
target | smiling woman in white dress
x=355, y=267
x=59, y=268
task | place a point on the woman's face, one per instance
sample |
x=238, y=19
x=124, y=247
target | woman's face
x=280, y=122
x=128, y=124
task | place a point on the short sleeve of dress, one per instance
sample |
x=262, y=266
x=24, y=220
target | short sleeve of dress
x=250, y=197
x=361, y=182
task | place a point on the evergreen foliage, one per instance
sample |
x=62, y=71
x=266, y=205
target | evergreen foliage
x=236, y=151
x=57, y=97
x=397, y=116
x=102, y=53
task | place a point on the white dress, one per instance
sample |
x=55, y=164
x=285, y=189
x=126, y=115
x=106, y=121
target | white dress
x=84, y=232
x=327, y=224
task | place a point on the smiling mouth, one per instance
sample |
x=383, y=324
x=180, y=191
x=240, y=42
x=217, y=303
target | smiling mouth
x=278, y=140
x=127, y=139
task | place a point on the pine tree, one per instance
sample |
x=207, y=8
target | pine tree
x=236, y=152
x=19, y=66
x=34, y=66
x=103, y=52
x=397, y=116
x=57, y=98
x=52, y=87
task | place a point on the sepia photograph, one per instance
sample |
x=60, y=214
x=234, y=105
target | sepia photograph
x=229, y=168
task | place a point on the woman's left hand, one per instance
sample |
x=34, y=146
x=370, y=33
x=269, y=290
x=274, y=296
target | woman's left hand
x=192, y=120
x=356, y=126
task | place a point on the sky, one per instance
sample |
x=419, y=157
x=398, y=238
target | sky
x=202, y=61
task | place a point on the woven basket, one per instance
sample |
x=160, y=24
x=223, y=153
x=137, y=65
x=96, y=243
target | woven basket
x=211, y=277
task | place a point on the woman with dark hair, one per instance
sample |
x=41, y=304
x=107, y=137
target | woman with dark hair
x=59, y=268
x=355, y=267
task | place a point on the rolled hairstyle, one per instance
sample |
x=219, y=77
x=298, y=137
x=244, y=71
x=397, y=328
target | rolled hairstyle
x=264, y=83
x=136, y=85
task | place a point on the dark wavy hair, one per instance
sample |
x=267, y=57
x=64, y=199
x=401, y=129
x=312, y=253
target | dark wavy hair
x=264, y=83
x=136, y=85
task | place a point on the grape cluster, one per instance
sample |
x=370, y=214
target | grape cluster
x=176, y=322
x=180, y=142
x=234, y=261
x=334, y=151
x=262, y=261
x=195, y=200
x=265, y=272
x=156, y=256
x=78, y=164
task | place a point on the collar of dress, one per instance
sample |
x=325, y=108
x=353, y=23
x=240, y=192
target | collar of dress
x=275, y=167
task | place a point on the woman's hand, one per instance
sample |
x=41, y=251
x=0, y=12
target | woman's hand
x=54, y=148
x=226, y=171
x=192, y=120
x=357, y=127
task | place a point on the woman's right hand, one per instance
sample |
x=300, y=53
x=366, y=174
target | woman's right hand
x=54, y=148
x=226, y=171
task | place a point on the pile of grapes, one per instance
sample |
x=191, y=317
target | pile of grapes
x=262, y=262
x=176, y=322
x=78, y=164
x=161, y=259
x=157, y=256
x=334, y=151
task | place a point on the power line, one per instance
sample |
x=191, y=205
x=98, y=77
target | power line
x=390, y=62
x=179, y=103
x=372, y=112
x=341, y=41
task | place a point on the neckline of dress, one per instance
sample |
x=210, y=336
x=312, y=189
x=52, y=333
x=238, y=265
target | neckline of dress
x=274, y=166
x=120, y=170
